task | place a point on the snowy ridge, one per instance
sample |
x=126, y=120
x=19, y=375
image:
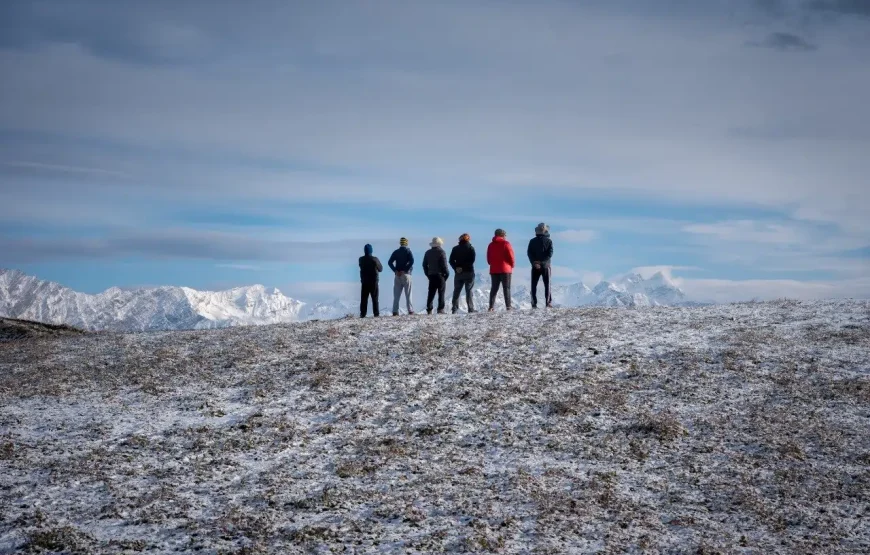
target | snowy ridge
x=737, y=428
x=174, y=308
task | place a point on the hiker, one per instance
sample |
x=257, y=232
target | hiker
x=462, y=261
x=369, y=270
x=435, y=268
x=500, y=257
x=401, y=262
x=540, y=253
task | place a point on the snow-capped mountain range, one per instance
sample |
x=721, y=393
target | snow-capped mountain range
x=173, y=308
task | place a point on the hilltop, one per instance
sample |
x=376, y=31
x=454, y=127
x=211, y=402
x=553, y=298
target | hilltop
x=738, y=428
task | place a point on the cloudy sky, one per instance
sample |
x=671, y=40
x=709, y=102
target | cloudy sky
x=218, y=143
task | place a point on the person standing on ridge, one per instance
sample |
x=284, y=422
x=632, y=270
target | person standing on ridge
x=540, y=253
x=435, y=268
x=500, y=257
x=369, y=274
x=462, y=261
x=401, y=262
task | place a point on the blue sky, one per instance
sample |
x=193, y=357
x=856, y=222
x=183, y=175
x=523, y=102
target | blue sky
x=213, y=144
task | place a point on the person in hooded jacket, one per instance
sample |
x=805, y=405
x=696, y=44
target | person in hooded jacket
x=500, y=257
x=369, y=274
x=462, y=261
x=401, y=262
x=435, y=268
x=540, y=253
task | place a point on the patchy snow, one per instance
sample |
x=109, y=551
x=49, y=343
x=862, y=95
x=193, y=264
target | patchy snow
x=734, y=428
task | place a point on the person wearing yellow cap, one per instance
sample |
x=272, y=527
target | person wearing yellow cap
x=401, y=262
x=462, y=259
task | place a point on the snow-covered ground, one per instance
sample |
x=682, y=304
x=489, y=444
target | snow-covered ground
x=735, y=428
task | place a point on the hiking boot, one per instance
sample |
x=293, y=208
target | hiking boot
x=471, y=311
x=428, y=311
x=442, y=311
x=410, y=313
x=454, y=311
x=491, y=309
x=395, y=313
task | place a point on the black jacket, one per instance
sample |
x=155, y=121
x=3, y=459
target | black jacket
x=369, y=269
x=435, y=262
x=463, y=256
x=541, y=249
x=402, y=260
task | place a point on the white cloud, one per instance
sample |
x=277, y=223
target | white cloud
x=748, y=231
x=248, y=267
x=668, y=271
x=575, y=235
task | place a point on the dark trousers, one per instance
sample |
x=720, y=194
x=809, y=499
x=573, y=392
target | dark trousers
x=438, y=284
x=503, y=280
x=466, y=280
x=538, y=273
x=369, y=290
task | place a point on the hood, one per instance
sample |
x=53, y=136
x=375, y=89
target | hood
x=497, y=238
x=368, y=250
x=544, y=234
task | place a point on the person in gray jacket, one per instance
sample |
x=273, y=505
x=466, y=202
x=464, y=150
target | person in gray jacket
x=401, y=262
x=435, y=268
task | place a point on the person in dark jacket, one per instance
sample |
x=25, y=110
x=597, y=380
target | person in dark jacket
x=501, y=260
x=462, y=261
x=435, y=268
x=540, y=253
x=369, y=274
x=401, y=262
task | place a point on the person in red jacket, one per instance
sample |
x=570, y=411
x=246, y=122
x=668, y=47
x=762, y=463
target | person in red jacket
x=500, y=257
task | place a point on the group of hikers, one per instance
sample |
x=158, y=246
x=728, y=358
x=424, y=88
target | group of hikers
x=436, y=267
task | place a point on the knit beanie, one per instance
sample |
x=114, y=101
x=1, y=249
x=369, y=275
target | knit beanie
x=403, y=242
x=500, y=233
x=368, y=249
x=465, y=238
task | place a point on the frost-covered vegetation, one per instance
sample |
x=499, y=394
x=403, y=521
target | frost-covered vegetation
x=733, y=429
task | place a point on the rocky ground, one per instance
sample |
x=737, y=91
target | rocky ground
x=12, y=329
x=721, y=429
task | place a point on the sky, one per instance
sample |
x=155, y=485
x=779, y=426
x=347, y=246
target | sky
x=217, y=143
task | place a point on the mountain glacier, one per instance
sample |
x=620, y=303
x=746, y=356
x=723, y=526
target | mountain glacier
x=173, y=308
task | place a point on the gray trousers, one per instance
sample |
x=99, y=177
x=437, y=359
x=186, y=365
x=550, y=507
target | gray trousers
x=402, y=283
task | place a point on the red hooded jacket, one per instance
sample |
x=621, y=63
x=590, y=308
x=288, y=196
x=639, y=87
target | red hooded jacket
x=500, y=256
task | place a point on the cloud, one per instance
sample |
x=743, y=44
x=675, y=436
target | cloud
x=743, y=231
x=843, y=7
x=58, y=168
x=787, y=42
x=175, y=244
x=575, y=235
x=667, y=270
x=248, y=267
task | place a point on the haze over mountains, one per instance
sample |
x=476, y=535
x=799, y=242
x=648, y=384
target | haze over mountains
x=174, y=308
